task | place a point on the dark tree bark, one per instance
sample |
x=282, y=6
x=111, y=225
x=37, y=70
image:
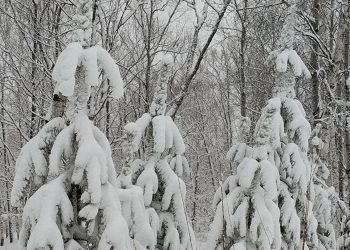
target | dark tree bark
x=347, y=92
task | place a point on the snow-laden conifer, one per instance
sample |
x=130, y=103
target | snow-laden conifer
x=324, y=207
x=158, y=173
x=274, y=213
x=247, y=213
x=78, y=206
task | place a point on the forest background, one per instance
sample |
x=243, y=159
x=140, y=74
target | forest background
x=220, y=74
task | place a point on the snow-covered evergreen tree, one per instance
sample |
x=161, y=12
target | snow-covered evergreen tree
x=75, y=204
x=159, y=170
x=323, y=208
x=247, y=213
x=268, y=204
x=343, y=242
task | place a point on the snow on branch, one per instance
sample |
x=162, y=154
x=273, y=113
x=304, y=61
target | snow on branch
x=32, y=160
x=92, y=157
x=282, y=58
x=251, y=194
x=111, y=69
x=115, y=234
x=135, y=213
x=64, y=71
x=40, y=213
x=174, y=196
x=297, y=127
x=74, y=56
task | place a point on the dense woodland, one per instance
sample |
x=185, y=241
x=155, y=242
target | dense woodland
x=204, y=64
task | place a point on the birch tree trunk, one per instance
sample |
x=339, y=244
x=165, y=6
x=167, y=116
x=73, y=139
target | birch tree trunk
x=316, y=100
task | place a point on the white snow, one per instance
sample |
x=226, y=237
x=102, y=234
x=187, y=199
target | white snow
x=159, y=127
x=115, y=234
x=39, y=227
x=246, y=172
x=31, y=161
x=64, y=71
x=111, y=69
x=89, y=60
x=148, y=181
x=134, y=211
x=282, y=58
x=74, y=55
x=178, y=140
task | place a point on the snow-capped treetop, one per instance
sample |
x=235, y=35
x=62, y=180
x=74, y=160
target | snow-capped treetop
x=82, y=19
x=75, y=56
x=158, y=106
x=285, y=60
x=289, y=57
x=80, y=62
x=288, y=34
x=240, y=127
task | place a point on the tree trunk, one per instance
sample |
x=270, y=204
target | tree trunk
x=196, y=191
x=58, y=101
x=347, y=93
x=243, y=18
x=33, y=71
x=8, y=226
x=316, y=100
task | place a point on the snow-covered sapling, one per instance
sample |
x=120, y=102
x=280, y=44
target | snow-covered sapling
x=78, y=207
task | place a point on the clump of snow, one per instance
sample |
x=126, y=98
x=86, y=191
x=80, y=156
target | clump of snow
x=89, y=60
x=62, y=148
x=64, y=71
x=237, y=153
x=270, y=126
x=297, y=127
x=137, y=217
x=289, y=57
x=159, y=127
x=39, y=229
x=180, y=165
x=111, y=69
x=293, y=169
x=290, y=221
x=115, y=234
x=174, y=196
x=251, y=194
x=73, y=56
x=31, y=162
x=148, y=181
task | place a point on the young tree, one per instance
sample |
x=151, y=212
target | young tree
x=324, y=209
x=247, y=213
x=259, y=208
x=343, y=242
x=159, y=170
x=76, y=205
